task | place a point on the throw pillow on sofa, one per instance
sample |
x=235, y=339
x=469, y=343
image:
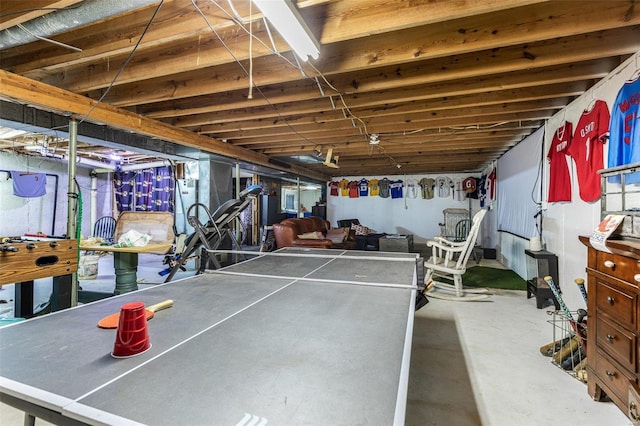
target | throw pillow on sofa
x=361, y=229
x=311, y=236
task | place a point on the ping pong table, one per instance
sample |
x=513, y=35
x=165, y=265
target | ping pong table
x=297, y=336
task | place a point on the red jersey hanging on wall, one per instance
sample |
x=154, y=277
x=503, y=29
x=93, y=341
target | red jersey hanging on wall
x=586, y=149
x=559, y=177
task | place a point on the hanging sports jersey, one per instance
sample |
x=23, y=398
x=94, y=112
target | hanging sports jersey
x=482, y=190
x=624, y=138
x=427, y=185
x=363, y=186
x=559, y=177
x=412, y=188
x=27, y=184
x=490, y=185
x=587, y=149
x=384, y=187
x=353, y=189
x=396, y=188
x=459, y=193
x=374, y=188
x=444, y=184
x=344, y=187
x=334, y=188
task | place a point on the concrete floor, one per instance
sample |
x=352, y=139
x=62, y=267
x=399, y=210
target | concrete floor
x=472, y=363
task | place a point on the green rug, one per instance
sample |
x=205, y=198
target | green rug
x=481, y=276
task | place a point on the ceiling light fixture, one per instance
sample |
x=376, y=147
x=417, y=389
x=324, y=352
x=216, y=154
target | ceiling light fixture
x=284, y=16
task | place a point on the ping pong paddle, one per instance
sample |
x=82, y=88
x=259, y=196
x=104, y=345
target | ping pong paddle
x=111, y=321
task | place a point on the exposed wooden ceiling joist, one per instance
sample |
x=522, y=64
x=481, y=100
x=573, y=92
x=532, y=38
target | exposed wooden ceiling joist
x=448, y=86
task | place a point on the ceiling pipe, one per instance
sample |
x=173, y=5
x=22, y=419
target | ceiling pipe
x=94, y=202
x=93, y=163
x=54, y=23
x=140, y=166
x=100, y=167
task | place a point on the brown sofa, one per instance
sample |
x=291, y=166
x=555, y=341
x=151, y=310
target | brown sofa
x=287, y=233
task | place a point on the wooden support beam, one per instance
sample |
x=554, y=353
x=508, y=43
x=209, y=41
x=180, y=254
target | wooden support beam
x=49, y=98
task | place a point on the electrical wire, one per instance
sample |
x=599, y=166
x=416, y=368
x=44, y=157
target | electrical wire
x=348, y=113
x=297, y=65
x=124, y=65
x=48, y=40
x=240, y=22
x=120, y=70
x=244, y=69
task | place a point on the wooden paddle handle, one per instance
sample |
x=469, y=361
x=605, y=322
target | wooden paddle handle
x=160, y=306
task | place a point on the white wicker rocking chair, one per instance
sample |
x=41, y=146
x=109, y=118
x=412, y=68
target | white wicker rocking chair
x=449, y=260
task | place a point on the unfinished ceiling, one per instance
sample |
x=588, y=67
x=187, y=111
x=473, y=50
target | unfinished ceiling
x=400, y=86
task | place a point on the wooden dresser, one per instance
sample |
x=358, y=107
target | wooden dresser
x=614, y=324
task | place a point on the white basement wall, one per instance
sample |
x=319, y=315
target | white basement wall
x=415, y=216
x=564, y=222
x=20, y=215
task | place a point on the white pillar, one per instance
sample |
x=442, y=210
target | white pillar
x=94, y=201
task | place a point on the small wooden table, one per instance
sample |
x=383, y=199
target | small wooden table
x=158, y=225
x=125, y=262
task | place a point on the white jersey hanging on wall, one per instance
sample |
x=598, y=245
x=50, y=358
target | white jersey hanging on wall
x=412, y=188
x=444, y=185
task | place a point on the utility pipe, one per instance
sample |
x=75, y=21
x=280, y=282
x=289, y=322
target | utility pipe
x=72, y=200
x=130, y=167
x=86, y=12
x=237, y=195
x=299, y=194
x=94, y=201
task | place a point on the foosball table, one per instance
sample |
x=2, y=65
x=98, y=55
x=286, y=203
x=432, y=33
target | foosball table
x=24, y=259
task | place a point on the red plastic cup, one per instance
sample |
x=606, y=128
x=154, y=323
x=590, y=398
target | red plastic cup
x=132, y=335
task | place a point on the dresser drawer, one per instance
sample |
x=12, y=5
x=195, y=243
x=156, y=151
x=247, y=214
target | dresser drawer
x=617, y=303
x=621, y=267
x=613, y=377
x=619, y=343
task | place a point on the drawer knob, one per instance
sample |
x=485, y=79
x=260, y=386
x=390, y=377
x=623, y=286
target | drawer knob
x=610, y=300
x=637, y=277
x=609, y=264
x=611, y=374
x=610, y=338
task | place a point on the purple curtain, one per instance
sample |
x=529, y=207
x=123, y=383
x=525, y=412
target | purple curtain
x=151, y=190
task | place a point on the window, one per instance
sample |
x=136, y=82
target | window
x=289, y=202
x=289, y=199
